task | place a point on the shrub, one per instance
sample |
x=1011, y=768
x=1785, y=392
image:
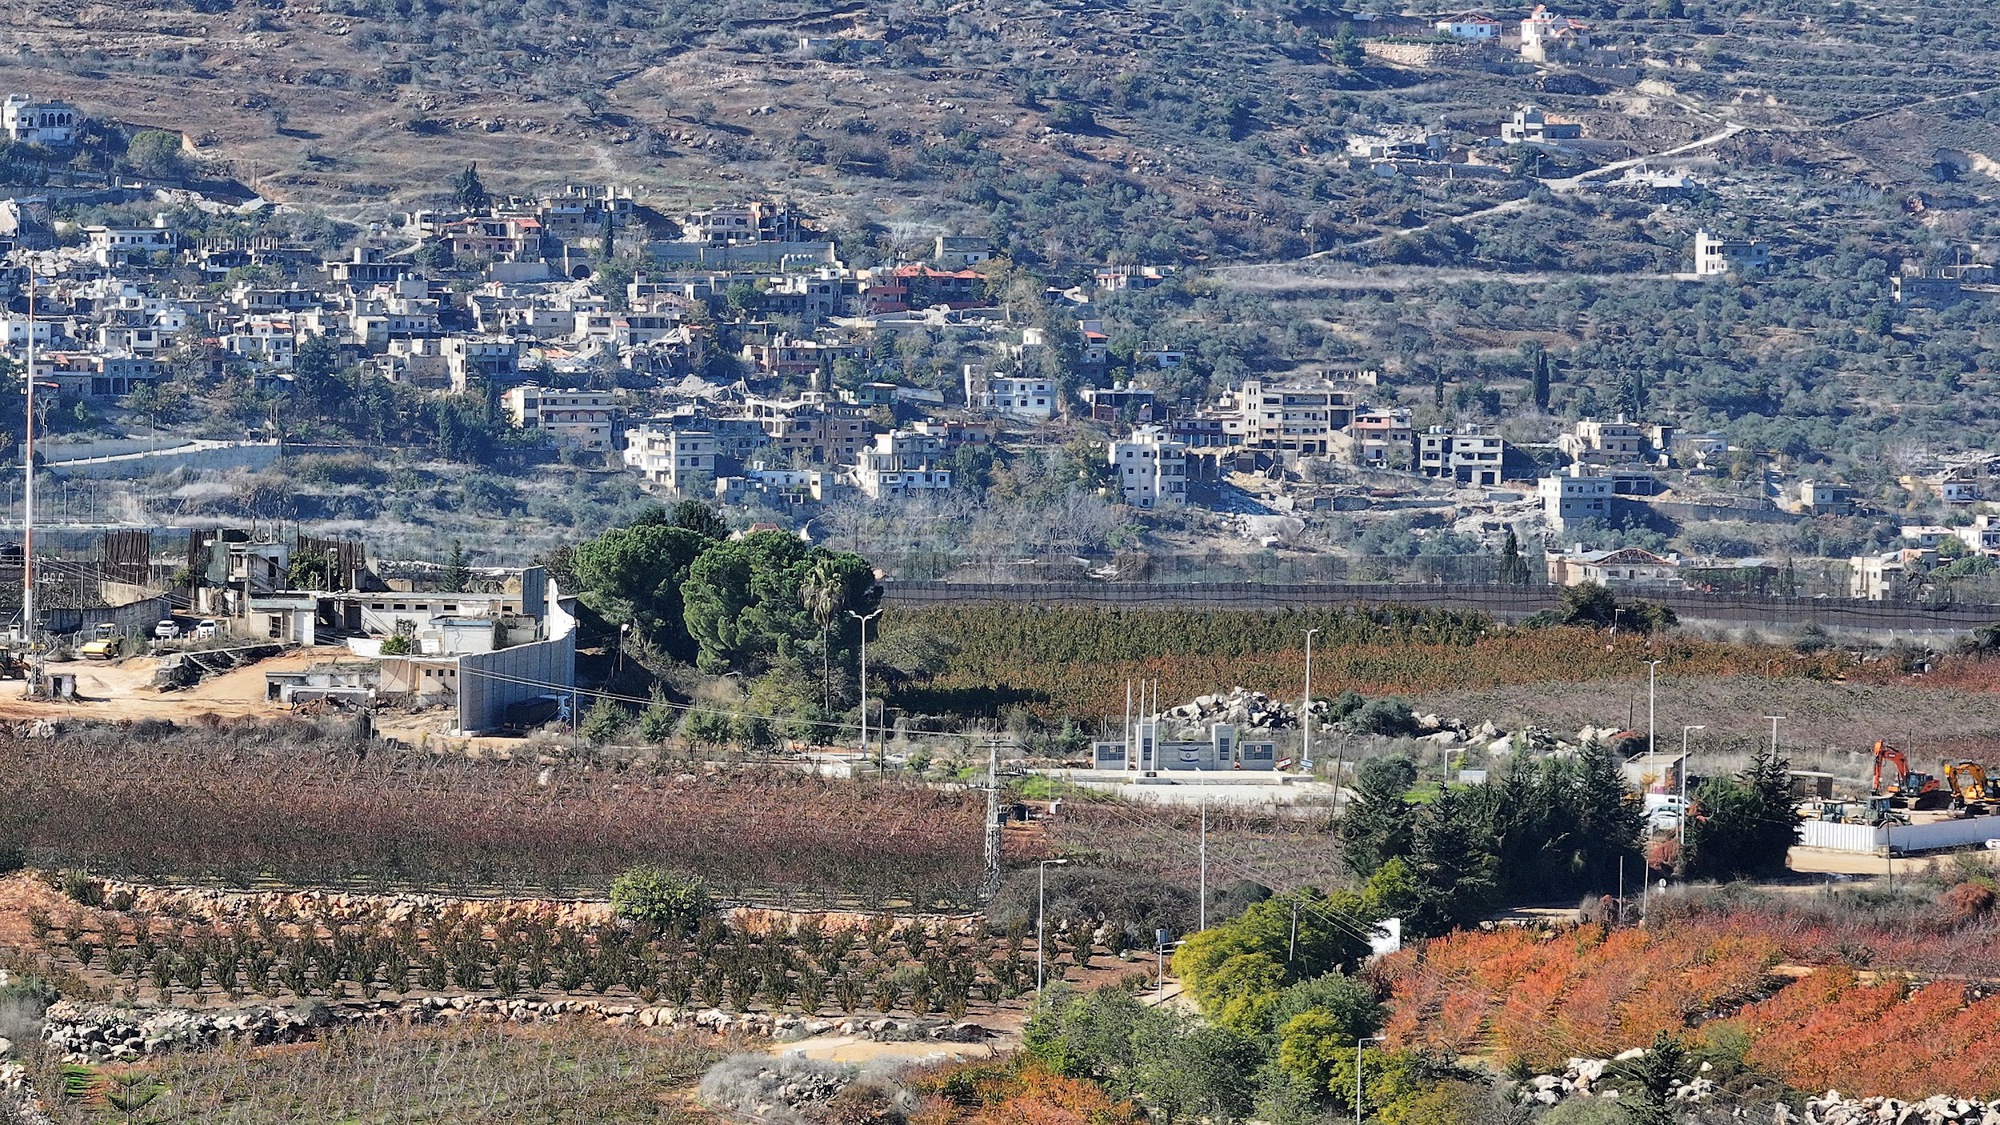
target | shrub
x=668, y=900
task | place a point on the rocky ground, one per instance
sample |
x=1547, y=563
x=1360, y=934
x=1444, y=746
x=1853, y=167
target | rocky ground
x=86, y=1032
x=1588, y=1078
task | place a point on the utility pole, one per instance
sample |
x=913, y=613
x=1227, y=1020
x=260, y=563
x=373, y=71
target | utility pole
x=1652, y=666
x=1041, y=916
x=1306, y=712
x=864, y=674
x=1684, y=782
x=28, y=495
x=992, y=817
x=1204, y=863
x=1774, y=733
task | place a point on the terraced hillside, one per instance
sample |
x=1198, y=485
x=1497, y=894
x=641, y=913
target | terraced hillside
x=1188, y=130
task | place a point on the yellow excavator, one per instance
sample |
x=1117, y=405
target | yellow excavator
x=1969, y=785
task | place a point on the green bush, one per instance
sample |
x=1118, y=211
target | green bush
x=667, y=900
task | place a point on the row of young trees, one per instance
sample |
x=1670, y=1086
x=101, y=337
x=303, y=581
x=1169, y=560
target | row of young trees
x=286, y=802
x=807, y=967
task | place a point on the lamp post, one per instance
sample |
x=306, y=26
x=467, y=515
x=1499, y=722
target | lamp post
x=1358, y=1043
x=1652, y=667
x=1041, y=914
x=864, y=619
x=1306, y=713
x=1684, y=781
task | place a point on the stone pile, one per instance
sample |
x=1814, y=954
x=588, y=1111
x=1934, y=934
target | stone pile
x=1586, y=1078
x=1941, y=1109
x=1249, y=710
x=85, y=1032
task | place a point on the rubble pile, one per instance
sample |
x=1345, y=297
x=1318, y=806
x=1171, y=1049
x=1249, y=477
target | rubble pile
x=1249, y=710
x=1256, y=711
x=1587, y=1078
x=86, y=1032
x=1941, y=1109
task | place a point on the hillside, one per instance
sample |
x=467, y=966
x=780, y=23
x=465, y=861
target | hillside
x=1069, y=131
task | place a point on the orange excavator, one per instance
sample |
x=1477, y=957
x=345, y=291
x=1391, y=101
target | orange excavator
x=1911, y=788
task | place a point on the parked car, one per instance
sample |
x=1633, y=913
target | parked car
x=209, y=627
x=167, y=629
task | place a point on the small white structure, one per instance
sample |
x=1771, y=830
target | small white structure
x=1475, y=29
x=1143, y=750
x=1530, y=126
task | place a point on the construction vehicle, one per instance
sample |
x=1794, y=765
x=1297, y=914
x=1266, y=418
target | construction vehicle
x=1875, y=812
x=1912, y=789
x=103, y=646
x=12, y=665
x=1969, y=784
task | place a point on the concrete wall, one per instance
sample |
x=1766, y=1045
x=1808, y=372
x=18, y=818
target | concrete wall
x=1943, y=834
x=1842, y=837
x=491, y=682
x=135, y=619
x=204, y=455
x=1901, y=837
x=749, y=253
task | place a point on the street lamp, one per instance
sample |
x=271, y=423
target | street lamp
x=864, y=619
x=1684, y=782
x=1357, y=1071
x=1652, y=668
x=1306, y=715
x=1041, y=913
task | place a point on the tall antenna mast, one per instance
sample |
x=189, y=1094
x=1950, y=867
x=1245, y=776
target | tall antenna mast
x=28, y=486
x=992, y=816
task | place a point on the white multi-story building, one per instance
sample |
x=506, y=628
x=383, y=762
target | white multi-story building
x=1150, y=468
x=580, y=418
x=111, y=247
x=28, y=122
x=900, y=463
x=757, y=221
x=1618, y=442
x=1020, y=396
x=1290, y=417
x=1574, y=496
x=679, y=459
x=1470, y=455
x=1716, y=256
